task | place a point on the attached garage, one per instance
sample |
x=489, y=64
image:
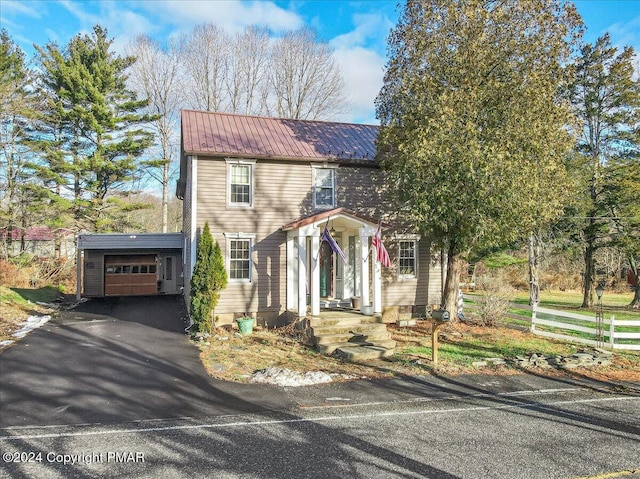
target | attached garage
x=139, y=264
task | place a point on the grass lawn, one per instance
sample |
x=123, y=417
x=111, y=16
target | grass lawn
x=612, y=303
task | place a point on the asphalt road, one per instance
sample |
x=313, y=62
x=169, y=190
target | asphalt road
x=163, y=418
x=564, y=432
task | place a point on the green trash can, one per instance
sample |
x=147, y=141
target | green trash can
x=245, y=325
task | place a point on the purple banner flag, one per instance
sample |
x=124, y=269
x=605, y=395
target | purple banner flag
x=326, y=236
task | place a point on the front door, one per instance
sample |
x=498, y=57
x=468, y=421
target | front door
x=326, y=270
x=338, y=291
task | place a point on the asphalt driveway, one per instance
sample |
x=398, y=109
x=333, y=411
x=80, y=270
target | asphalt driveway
x=115, y=360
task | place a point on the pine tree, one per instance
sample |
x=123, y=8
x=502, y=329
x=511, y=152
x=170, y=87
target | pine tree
x=91, y=130
x=20, y=206
x=606, y=98
x=209, y=278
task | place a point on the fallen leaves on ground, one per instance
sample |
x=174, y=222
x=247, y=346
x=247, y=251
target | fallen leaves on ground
x=230, y=356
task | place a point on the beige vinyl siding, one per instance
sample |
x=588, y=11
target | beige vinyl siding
x=281, y=193
x=186, y=229
x=425, y=289
x=360, y=190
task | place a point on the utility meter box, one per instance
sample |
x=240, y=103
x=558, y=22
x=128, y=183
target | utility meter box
x=440, y=315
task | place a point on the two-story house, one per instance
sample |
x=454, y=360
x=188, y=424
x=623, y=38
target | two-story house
x=269, y=188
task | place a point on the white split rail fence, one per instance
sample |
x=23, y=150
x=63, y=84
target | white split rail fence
x=557, y=320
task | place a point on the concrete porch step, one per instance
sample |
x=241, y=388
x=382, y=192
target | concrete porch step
x=366, y=328
x=363, y=353
x=330, y=348
x=350, y=320
x=350, y=337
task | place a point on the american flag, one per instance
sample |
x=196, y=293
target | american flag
x=326, y=236
x=381, y=252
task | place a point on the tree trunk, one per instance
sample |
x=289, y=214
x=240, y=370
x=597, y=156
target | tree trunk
x=589, y=276
x=452, y=283
x=635, y=302
x=165, y=195
x=534, y=273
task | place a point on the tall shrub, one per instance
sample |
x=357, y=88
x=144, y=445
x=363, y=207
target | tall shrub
x=209, y=278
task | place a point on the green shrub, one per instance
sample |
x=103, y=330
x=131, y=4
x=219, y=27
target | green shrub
x=209, y=278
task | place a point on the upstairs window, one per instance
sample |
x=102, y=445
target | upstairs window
x=240, y=176
x=324, y=188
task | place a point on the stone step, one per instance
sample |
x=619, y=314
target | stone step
x=346, y=329
x=350, y=337
x=328, y=349
x=363, y=353
x=347, y=320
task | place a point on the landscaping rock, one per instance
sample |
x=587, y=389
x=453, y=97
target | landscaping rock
x=403, y=323
x=496, y=361
x=582, y=358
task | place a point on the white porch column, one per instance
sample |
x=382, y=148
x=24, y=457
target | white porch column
x=292, y=292
x=364, y=269
x=315, y=274
x=302, y=275
x=377, y=287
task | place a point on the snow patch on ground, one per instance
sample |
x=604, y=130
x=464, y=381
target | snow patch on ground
x=6, y=342
x=286, y=377
x=31, y=323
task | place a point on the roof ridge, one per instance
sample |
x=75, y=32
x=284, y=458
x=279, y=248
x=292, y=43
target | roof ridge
x=241, y=115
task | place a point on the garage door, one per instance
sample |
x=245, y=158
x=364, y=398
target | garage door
x=130, y=275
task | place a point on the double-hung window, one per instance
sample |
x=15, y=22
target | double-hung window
x=240, y=182
x=239, y=256
x=324, y=188
x=408, y=259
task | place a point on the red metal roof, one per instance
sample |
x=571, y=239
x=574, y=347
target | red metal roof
x=217, y=134
x=307, y=220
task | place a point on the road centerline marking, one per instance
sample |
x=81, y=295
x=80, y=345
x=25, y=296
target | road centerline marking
x=268, y=422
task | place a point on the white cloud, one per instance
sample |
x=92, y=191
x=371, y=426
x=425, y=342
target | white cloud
x=363, y=72
x=360, y=54
x=232, y=15
x=370, y=30
x=13, y=7
x=76, y=9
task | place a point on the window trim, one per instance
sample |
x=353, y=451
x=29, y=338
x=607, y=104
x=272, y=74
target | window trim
x=408, y=239
x=231, y=162
x=251, y=237
x=334, y=181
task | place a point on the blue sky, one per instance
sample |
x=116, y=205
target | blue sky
x=356, y=29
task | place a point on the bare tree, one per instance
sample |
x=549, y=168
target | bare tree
x=205, y=53
x=247, y=73
x=306, y=80
x=156, y=75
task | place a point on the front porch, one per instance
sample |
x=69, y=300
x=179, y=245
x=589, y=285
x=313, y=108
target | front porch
x=317, y=277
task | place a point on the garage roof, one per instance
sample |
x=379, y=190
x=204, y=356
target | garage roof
x=121, y=241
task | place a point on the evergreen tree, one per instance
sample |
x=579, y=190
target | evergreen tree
x=606, y=98
x=208, y=279
x=473, y=135
x=91, y=130
x=19, y=205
